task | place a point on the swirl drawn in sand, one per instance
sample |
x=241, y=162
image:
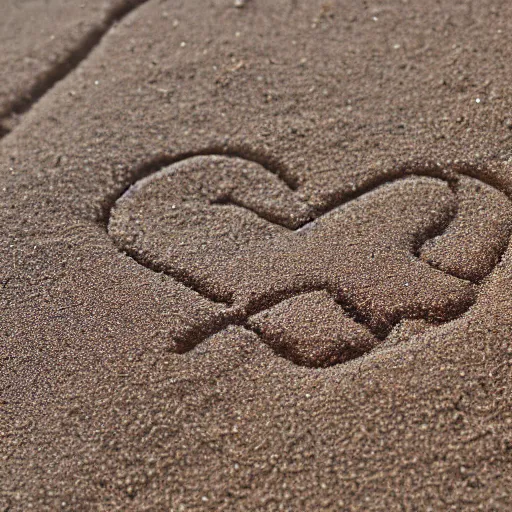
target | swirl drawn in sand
x=320, y=286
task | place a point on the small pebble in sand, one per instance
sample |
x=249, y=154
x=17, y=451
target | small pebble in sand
x=240, y=3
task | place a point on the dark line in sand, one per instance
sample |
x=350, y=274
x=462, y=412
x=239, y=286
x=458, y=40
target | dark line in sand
x=181, y=276
x=54, y=75
x=3, y=130
x=428, y=169
x=161, y=161
x=158, y=162
x=235, y=316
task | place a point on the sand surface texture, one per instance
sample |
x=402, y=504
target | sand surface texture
x=257, y=257
x=42, y=41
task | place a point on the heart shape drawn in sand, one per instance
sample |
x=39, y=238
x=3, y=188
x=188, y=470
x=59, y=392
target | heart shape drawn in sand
x=320, y=285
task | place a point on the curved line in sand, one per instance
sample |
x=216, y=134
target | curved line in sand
x=449, y=173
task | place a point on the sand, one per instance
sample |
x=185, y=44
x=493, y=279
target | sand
x=257, y=258
x=42, y=41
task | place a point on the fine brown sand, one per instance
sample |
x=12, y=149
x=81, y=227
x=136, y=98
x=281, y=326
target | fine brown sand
x=258, y=258
x=42, y=41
